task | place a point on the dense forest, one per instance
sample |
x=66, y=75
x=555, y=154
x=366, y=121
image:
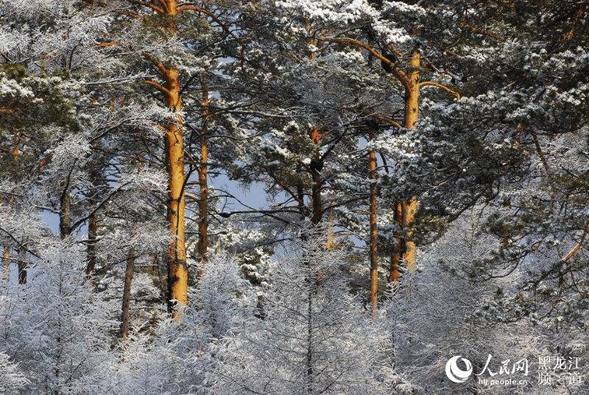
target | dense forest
x=294, y=197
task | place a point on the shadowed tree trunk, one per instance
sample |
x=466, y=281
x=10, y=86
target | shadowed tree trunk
x=65, y=213
x=316, y=167
x=129, y=271
x=92, y=224
x=22, y=267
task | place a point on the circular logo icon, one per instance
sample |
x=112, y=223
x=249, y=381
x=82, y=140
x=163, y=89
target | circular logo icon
x=456, y=374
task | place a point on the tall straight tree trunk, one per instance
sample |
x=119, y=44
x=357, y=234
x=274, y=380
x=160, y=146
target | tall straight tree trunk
x=404, y=248
x=203, y=181
x=310, y=352
x=316, y=167
x=394, y=274
x=372, y=166
x=411, y=118
x=22, y=267
x=65, y=213
x=300, y=193
x=174, y=140
x=177, y=270
x=92, y=224
x=129, y=271
x=92, y=236
x=316, y=162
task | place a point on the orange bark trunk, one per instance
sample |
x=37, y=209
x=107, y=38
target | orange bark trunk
x=411, y=118
x=372, y=165
x=399, y=242
x=177, y=269
x=203, y=182
x=404, y=248
x=174, y=140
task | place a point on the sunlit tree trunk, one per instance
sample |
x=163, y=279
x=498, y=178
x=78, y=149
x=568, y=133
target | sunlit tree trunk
x=174, y=141
x=177, y=270
x=411, y=118
x=398, y=241
x=129, y=271
x=203, y=182
x=404, y=247
x=372, y=168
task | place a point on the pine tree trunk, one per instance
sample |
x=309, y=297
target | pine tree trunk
x=411, y=118
x=404, y=247
x=394, y=274
x=129, y=271
x=372, y=168
x=91, y=247
x=65, y=215
x=176, y=204
x=177, y=269
x=300, y=193
x=310, y=357
x=316, y=167
x=92, y=225
x=22, y=268
x=203, y=182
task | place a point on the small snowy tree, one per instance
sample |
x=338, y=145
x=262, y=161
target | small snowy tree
x=313, y=335
x=179, y=356
x=11, y=377
x=55, y=327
